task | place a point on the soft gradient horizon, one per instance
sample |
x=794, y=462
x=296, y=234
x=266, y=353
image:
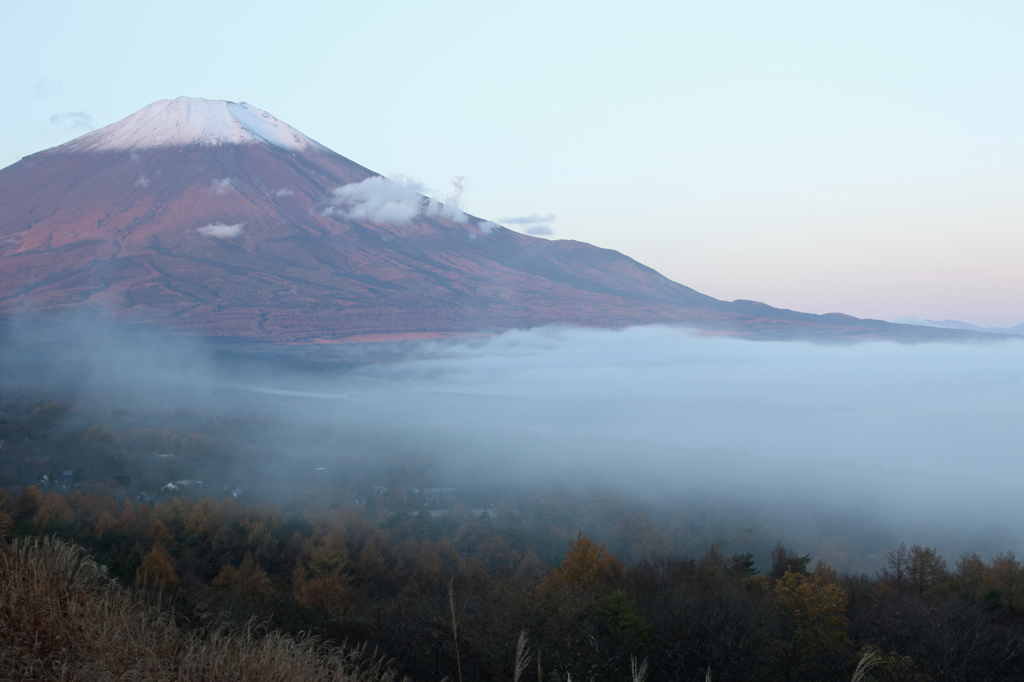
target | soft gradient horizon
x=863, y=158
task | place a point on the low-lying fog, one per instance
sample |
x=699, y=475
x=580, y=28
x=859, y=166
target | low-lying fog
x=910, y=436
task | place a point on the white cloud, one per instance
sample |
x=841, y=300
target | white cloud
x=141, y=181
x=378, y=200
x=73, y=121
x=222, y=185
x=453, y=213
x=534, y=224
x=44, y=88
x=487, y=226
x=459, y=186
x=531, y=219
x=283, y=192
x=396, y=201
x=540, y=230
x=220, y=230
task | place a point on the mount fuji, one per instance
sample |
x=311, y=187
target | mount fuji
x=218, y=219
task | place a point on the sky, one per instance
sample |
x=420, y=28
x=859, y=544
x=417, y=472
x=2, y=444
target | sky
x=866, y=158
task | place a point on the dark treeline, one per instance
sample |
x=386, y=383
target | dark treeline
x=395, y=584
x=379, y=546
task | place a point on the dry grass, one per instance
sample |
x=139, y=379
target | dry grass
x=61, y=618
x=522, y=658
x=868, y=661
x=638, y=674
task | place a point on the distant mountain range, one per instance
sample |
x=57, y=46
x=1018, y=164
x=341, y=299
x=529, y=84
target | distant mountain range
x=957, y=324
x=218, y=219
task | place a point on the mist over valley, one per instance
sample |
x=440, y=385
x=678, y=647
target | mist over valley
x=881, y=440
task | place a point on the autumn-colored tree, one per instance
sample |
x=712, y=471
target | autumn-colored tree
x=814, y=612
x=246, y=581
x=127, y=522
x=90, y=508
x=260, y=539
x=158, y=532
x=106, y=525
x=329, y=593
x=371, y=562
x=159, y=565
x=27, y=504
x=53, y=510
x=174, y=515
x=585, y=563
x=327, y=559
x=203, y=519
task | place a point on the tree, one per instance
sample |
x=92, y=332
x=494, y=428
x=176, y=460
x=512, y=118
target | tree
x=1005, y=571
x=621, y=617
x=158, y=565
x=925, y=568
x=54, y=510
x=897, y=562
x=713, y=562
x=327, y=559
x=785, y=561
x=814, y=612
x=742, y=566
x=970, y=573
x=586, y=562
x=329, y=593
x=246, y=582
x=27, y=504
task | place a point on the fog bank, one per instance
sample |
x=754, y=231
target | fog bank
x=903, y=439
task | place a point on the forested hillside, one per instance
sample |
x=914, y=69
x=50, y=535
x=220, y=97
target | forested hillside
x=384, y=553
x=333, y=573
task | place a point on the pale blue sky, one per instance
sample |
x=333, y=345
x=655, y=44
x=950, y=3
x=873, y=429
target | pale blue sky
x=859, y=157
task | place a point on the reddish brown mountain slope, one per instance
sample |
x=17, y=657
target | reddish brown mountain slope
x=115, y=220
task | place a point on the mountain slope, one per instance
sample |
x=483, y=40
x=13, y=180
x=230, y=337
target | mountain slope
x=957, y=324
x=219, y=219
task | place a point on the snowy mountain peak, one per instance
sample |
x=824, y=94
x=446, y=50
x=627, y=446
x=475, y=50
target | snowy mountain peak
x=192, y=121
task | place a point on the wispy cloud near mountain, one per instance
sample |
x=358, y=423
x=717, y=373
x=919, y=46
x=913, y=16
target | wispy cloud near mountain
x=394, y=201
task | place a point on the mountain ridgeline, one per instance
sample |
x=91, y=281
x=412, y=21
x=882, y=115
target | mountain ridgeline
x=220, y=220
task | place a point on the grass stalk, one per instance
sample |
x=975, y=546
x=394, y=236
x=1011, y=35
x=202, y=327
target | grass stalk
x=455, y=624
x=867, y=662
x=522, y=657
x=639, y=674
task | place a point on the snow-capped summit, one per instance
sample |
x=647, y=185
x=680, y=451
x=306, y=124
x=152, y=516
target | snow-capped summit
x=227, y=222
x=192, y=121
